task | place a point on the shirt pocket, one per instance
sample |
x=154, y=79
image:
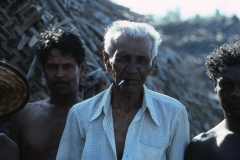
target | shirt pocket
x=146, y=152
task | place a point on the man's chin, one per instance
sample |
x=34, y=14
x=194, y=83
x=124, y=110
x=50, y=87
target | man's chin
x=60, y=92
x=131, y=89
x=233, y=114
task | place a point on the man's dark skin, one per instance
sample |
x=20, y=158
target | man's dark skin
x=38, y=128
x=223, y=141
x=8, y=149
x=132, y=62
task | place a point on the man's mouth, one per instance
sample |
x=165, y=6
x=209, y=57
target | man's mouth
x=123, y=83
x=235, y=105
x=60, y=83
x=126, y=82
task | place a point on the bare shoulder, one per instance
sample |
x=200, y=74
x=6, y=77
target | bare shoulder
x=203, y=146
x=29, y=106
x=4, y=139
x=8, y=148
x=34, y=105
x=200, y=146
x=6, y=142
x=28, y=110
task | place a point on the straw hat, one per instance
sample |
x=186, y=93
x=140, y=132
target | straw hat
x=14, y=90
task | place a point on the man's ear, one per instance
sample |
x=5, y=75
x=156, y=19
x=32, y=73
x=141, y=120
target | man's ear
x=215, y=87
x=106, y=60
x=83, y=67
x=153, y=65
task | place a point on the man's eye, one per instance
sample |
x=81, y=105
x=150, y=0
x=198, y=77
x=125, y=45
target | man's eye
x=122, y=59
x=51, y=66
x=143, y=61
x=68, y=66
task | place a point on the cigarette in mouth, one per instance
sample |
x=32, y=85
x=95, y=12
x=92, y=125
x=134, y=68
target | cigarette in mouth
x=122, y=83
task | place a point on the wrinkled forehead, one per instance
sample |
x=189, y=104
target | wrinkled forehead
x=133, y=45
x=124, y=38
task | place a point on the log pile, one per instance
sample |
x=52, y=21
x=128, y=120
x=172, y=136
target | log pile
x=176, y=78
x=196, y=38
x=22, y=21
x=193, y=40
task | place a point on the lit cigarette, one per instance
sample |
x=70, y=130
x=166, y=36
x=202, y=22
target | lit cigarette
x=123, y=83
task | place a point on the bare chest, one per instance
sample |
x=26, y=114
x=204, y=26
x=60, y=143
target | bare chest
x=229, y=149
x=40, y=137
x=229, y=153
x=121, y=125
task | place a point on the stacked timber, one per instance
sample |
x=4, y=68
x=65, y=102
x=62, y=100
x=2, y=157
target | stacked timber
x=194, y=40
x=22, y=21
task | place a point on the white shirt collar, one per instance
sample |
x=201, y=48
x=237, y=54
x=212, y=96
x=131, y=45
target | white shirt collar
x=104, y=105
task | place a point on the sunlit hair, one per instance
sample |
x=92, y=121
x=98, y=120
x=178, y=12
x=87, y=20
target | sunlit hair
x=225, y=55
x=133, y=30
x=68, y=42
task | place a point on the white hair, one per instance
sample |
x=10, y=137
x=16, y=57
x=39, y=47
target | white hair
x=134, y=30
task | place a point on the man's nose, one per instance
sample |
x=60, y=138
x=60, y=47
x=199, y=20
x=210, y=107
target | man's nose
x=132, y=67
x=236, y=91
x=60, y=72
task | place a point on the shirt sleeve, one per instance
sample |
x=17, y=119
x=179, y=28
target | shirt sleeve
x=180, y=136
x=71, y=144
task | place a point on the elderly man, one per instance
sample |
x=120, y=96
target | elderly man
x=127, y=121
x=223, y=141
x=38, y=128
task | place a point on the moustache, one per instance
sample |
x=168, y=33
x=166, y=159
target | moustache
x=57, y=82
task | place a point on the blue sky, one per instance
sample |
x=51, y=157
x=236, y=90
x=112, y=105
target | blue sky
x=188, y=8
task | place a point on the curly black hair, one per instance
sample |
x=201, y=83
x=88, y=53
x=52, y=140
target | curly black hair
x=68, y=42
x=227, y=54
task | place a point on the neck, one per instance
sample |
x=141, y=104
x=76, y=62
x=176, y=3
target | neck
x=127, y=102
x=65, y=100
x=232, y=124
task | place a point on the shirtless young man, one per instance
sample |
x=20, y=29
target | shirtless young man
x=37, y=129
x=127, y=120
x=223, y=141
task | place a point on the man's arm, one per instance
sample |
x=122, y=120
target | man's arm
x=180, y=138
x=72, y=143
x=14, y=132
x=8, y=149
x=16, y=121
